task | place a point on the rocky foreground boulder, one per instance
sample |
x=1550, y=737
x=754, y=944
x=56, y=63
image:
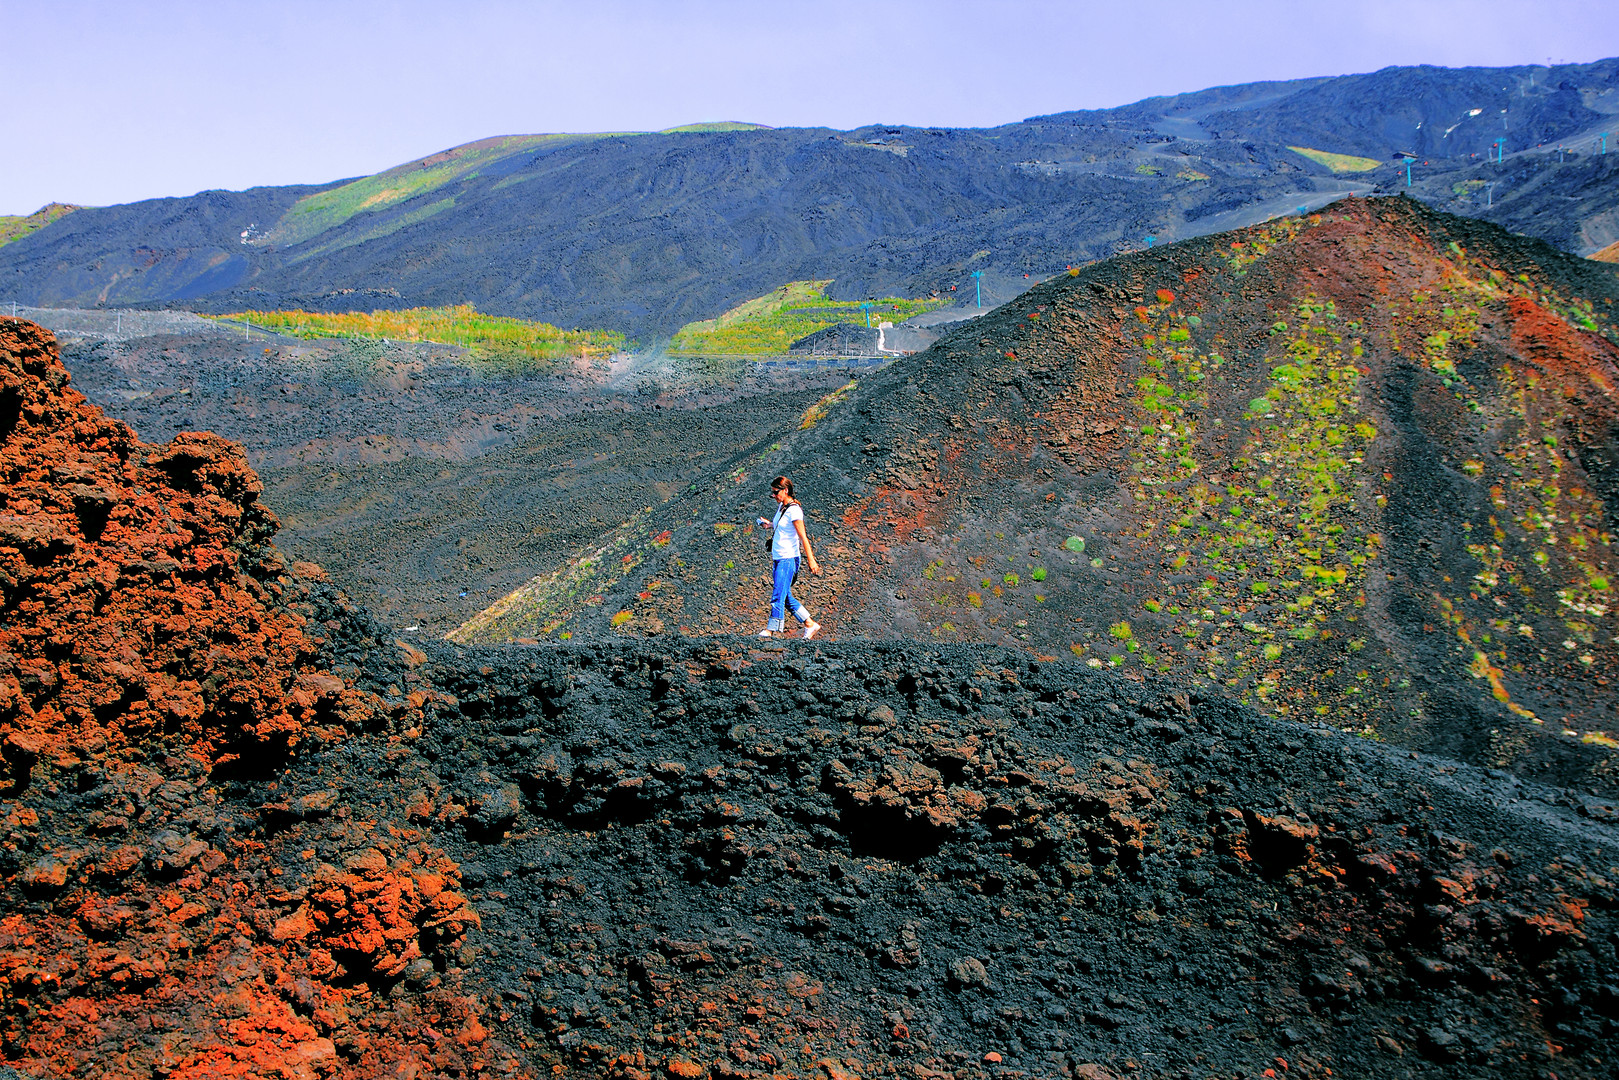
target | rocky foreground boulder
x=150, y=667
x=724, y=860
x=293, y=845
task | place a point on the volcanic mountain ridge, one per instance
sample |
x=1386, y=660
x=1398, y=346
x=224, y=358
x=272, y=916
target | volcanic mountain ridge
x=642, y=233
x=1360, y=465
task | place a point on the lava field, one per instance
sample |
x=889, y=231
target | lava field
x=430, y=485
x=1360, y=465
x=251, y=831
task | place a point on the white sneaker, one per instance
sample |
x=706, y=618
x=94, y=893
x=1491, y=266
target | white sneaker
x=811, y=629
x=764, y=633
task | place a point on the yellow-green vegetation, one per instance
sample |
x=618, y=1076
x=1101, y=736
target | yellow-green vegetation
x=1244, y=253
x=1338, y=163
x=713, y=126
x=17, y=226
x=541, y=605
x=1277, y=517
x=315, y=214
x=1267, y=545
x=817, y=412
x=766, y=325
x=1541, y=599
x=489, y=337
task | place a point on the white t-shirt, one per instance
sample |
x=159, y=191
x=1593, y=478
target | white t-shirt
x=784, y=545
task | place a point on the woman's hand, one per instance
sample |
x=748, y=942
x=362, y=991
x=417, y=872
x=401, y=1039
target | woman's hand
x=815, y=567
x=763, y=524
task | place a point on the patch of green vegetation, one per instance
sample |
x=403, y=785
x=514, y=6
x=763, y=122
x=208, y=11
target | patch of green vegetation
x=767, y=325
x=1536, y=606
x=1281, y=515
x=817, y=412
x=491, y=338
x=713, y=126
x=1338, y=163
x=541, y=605
x=314, y=214
x=17, y=226
x=324, y=210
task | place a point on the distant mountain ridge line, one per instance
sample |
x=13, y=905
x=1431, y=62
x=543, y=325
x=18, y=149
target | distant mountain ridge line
x=325, y=210
x=644, y=234
x=17, y=226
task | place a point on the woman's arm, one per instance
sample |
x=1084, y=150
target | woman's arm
x=803, y=542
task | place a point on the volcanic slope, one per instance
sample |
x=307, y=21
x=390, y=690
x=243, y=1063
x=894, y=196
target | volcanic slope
x=1362, y=465
x=247, y=832
x=645, y=232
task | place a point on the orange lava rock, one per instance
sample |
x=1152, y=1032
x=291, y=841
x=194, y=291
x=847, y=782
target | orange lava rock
x=144, y=641
x=376, y=916
x=140, y=583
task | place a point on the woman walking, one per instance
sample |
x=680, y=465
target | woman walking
x=788, y=544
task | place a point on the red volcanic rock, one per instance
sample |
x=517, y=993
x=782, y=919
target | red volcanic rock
x=138, y=584
x=148, y=929
x=379, y=915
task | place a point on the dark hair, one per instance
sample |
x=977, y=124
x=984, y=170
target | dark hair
x=781, y=482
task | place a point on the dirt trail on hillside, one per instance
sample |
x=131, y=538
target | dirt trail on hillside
x=1361, y=465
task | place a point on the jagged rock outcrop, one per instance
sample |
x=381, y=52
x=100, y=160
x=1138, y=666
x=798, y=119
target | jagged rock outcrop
x=151, y=665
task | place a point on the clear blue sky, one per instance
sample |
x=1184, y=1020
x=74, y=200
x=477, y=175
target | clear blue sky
x=116, y=100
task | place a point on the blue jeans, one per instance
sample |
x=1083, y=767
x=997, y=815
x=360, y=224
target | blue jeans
x=781, y=597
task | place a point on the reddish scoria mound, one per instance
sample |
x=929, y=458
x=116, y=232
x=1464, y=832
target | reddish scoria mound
x=146, y=657
x=1362, y=464
x=135, y=602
